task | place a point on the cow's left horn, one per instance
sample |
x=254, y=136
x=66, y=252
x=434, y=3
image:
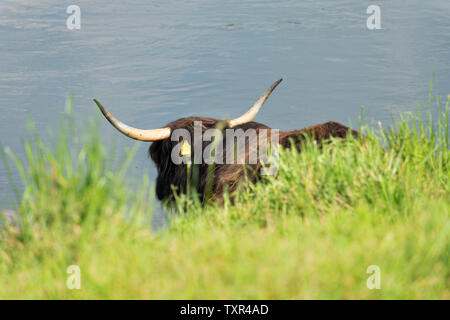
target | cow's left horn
x=253, y=111
x=137, y=134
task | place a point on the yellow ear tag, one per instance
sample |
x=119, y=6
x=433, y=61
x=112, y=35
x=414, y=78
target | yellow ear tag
x=185, y=149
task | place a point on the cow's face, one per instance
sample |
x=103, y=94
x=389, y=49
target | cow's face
x=172, y=175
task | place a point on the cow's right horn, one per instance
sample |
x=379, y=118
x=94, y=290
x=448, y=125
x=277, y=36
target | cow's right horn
x=134, y=133
x=253, y=111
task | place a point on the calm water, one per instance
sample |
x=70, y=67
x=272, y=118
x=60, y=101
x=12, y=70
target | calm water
x=151, y=62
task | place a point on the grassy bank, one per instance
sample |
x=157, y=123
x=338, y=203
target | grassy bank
x=311, y=233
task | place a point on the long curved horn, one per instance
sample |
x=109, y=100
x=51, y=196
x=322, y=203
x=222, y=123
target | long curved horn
x=253, y=111
x=134, y=133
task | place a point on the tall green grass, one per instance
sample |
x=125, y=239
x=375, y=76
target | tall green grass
x=309, y=233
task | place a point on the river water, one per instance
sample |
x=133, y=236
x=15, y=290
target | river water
x=151, y=62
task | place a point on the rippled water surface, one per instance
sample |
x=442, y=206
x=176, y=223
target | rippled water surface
x=151, y=62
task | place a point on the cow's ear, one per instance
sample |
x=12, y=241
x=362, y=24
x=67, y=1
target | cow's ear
x=155, y=151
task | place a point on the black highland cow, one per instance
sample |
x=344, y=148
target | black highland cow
x=211, y=180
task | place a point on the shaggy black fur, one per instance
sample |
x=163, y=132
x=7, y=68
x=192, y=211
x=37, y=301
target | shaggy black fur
x=210, y=181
